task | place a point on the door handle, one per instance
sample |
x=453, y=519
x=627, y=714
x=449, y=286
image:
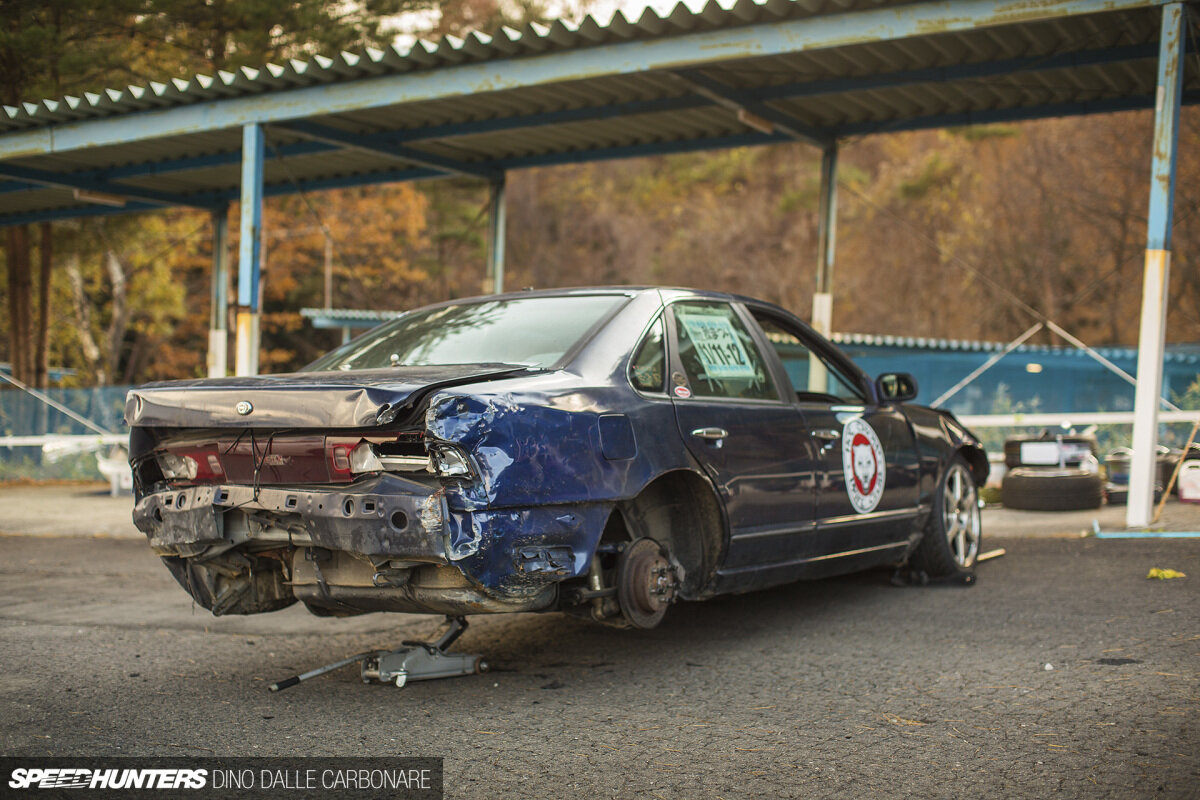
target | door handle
x=710, y=433
x=828, y=437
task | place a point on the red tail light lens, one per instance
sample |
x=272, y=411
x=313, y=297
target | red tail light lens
x=273, y=460
x=200, y=464
x=338, y=456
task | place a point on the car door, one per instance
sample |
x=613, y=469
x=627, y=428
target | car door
x=867, y=463
x=746, y=434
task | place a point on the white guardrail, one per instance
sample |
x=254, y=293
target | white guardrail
x=1067, y=419
x=80, y=440
x=57, y=447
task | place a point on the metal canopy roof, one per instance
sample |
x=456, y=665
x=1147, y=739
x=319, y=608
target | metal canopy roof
x=742, y=73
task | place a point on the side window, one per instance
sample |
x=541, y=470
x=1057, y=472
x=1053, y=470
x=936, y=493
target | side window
x=814, y=378
x=647, y=368
x=719, y=355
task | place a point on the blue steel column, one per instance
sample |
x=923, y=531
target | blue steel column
x=218, y=315
x=496, y=229
x=1156, y=280
x=250, y=249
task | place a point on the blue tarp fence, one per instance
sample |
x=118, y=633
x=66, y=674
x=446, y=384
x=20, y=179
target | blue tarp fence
x=1029, y=380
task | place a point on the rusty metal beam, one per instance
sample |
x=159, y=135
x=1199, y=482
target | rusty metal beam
x=105, y=193
x=758, y=116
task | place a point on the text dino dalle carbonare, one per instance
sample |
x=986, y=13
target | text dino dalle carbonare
x=372, y=779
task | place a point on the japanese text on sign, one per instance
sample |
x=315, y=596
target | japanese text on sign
x=718, y=347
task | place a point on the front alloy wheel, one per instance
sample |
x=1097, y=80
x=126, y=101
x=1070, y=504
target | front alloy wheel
x=961, y=517
x=950, y=545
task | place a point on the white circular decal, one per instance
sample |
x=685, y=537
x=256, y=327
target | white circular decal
x=863, y=465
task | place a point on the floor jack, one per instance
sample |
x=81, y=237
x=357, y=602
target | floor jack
x=415, y=661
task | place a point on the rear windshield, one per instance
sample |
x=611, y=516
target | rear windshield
x=531, y=331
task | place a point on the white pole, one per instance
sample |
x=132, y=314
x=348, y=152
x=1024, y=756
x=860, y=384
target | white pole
x=218, y=335
x=1156, y=282
x=496, y=235
x=250, y=251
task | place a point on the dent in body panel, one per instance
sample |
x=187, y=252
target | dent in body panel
x=529, y=450
x=551, y=461
x=504, y=549
x=318, y=400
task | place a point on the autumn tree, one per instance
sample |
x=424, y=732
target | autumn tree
x=47, y=48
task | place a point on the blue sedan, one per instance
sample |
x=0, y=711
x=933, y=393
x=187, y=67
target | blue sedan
x=602, y=451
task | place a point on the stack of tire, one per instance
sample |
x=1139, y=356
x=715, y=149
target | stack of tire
x=1072, y=483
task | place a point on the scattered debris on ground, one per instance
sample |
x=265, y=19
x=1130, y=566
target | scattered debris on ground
x=1160, y=574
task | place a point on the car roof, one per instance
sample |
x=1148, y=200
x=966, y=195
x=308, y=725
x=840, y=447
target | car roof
x=615, y=290
x=667, y=292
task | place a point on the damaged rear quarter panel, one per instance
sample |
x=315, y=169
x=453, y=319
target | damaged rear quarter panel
x=544, y=488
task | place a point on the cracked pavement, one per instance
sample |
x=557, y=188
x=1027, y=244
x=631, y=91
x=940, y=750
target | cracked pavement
x=836, y=688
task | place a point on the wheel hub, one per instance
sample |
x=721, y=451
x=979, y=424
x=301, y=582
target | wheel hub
x=646, y=583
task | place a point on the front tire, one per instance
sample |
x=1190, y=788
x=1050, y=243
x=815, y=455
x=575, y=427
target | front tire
x=950, y=545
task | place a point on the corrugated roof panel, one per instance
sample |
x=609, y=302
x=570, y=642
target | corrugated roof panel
x=895, y=83
x=450, y=50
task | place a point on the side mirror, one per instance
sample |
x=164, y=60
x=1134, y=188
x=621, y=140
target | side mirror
x=896, y=387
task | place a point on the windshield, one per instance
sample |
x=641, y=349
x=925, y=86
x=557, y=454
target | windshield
x=531, y=331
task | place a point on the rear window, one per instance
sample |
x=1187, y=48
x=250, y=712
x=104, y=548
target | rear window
x=529, y=331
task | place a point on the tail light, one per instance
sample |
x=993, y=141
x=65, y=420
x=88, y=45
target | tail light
x=337, y=453
x=200, y=464
x=364, y=459
x=300, y=459
x=348, y=458
x=351, y=457
x=447, y=461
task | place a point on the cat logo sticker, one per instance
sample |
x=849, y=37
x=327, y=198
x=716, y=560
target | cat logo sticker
x=863, y=465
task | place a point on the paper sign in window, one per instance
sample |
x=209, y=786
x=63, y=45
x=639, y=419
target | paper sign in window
x=718, y=346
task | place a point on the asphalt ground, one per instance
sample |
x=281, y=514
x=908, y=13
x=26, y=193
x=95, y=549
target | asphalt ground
x=838, y=688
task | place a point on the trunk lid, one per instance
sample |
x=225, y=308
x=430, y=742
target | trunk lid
x=358, y=399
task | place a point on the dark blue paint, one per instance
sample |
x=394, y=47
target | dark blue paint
x=617, y=441
x=488, y=544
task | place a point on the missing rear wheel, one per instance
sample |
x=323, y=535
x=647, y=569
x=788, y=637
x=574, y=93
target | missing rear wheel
x=646, y=583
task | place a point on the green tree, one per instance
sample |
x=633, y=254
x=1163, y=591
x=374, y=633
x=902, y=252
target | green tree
x=228, y=34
